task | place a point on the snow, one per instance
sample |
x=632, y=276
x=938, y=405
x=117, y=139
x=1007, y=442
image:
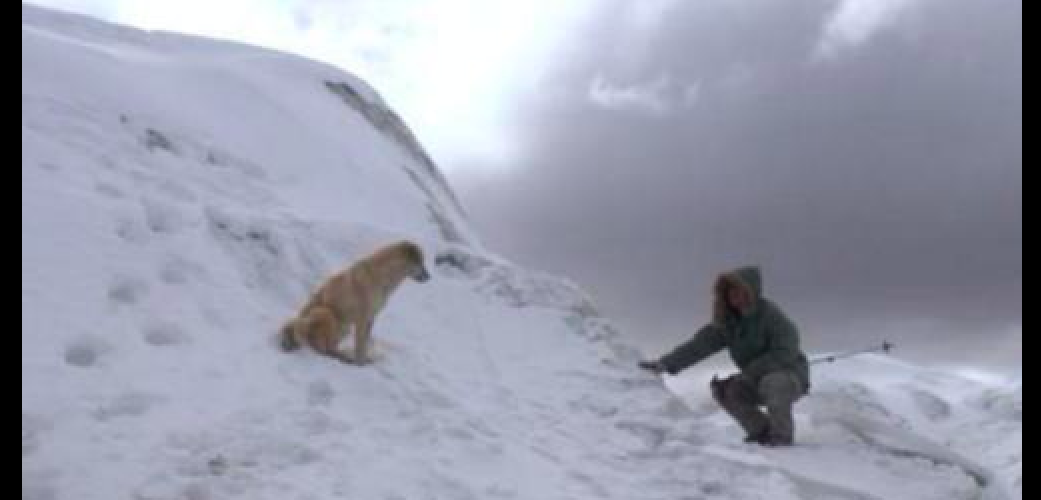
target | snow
x=883, y=428
x=181, y=196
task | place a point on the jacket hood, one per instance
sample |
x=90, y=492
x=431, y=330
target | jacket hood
x=747, y=277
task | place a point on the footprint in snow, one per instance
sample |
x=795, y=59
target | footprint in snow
x=109, y=190
x=129, y=404
x=178, y=270
x=164, y=334
x=85, y=351
x=127, y=290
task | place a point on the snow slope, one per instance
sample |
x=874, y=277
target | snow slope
x=180, y=197
x=882, y=428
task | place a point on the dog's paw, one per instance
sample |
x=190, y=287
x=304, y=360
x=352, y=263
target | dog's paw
x=351, y=359
x=343, y=357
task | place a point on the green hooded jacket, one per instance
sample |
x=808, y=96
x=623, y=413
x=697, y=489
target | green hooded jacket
x=761, y=341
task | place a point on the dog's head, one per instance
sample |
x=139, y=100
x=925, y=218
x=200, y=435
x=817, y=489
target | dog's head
x=414, y=256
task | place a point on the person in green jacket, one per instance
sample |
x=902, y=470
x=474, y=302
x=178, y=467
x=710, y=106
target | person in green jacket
x=763, y=343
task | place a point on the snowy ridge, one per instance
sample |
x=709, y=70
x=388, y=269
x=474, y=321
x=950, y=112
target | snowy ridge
x=181, y=196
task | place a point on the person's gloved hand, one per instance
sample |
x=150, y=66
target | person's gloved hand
x=655, y=367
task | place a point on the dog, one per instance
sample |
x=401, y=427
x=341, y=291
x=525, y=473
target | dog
x=348, y=301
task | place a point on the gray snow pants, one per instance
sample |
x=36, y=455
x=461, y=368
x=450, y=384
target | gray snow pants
x=777, y=391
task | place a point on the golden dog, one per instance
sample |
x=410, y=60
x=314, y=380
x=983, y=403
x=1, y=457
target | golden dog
x=350, y=300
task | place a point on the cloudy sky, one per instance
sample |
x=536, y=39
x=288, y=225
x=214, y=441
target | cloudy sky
x=867, y=154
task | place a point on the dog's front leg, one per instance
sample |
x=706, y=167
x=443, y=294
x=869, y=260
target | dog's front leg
x=362, y=335
x=343, y=354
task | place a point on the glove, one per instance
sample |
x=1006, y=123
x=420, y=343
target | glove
x=655, y=367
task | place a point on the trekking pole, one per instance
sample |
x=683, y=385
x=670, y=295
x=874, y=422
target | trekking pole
x=884, y=346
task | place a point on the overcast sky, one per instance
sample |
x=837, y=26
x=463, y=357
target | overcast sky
x=867, y=154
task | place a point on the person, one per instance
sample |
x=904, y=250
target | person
x=763, y=343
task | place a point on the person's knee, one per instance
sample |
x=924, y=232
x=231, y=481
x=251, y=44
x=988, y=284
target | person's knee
x=737, y=391
x=779, y=388
x=718, y=389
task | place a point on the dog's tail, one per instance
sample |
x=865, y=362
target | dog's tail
x=286, y=339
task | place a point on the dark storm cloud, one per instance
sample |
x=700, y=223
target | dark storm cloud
x=880, y=184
